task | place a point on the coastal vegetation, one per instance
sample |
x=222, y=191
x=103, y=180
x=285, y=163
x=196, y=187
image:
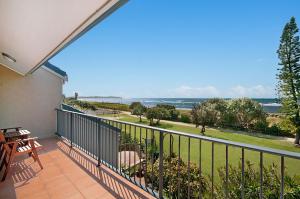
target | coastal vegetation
x=289, y=74
x=87, y=105
x=171, y=161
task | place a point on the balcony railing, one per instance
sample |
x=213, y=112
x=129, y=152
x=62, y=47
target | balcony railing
x=146, y=157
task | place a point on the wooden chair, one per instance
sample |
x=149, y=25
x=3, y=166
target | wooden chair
x=10, y=129
x=9, y=150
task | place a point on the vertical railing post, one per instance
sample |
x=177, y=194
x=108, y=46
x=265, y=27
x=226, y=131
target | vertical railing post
x=99, y=140
x=57, y=121
x=71, y=129
x=161, y=156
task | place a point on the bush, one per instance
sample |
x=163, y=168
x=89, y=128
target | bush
x=271, y=183
x=186, y=118
x=157, y=114
x=171, y=180
x=128, y=143
x=113, y=106
x=173, y=114
x=135, y=104
x=138, y=109
x=287, y=125
x=81, y=104
x=246, y=112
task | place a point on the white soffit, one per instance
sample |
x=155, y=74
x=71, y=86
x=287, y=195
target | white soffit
x=32, y=31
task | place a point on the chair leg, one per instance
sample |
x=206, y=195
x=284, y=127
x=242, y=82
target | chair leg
x=36, y=156
x=32, y=155
x=7, y=169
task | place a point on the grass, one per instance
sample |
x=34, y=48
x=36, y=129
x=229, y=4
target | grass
x=292, y=165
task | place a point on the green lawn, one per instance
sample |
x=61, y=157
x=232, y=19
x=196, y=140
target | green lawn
x=292, y=165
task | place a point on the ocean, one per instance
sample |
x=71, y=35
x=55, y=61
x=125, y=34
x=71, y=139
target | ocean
x=270, y=105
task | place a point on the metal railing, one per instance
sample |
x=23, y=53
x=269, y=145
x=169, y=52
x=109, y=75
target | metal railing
x=163, y=162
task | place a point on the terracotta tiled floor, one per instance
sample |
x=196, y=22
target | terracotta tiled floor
x=67, y=174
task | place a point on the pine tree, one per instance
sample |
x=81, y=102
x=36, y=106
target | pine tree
x=289, y=73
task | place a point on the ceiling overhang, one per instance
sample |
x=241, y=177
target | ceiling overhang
x=33, y=31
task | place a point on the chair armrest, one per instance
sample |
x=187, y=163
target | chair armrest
x=13, y=142
x=6, y=129
x=28, y=139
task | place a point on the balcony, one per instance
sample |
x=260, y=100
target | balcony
x=94, y=157
x=67, y=173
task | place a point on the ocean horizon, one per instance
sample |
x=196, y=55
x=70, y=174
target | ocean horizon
x=270, y=105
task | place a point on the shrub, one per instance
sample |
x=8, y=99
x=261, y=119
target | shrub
x=128, y=143
x=171, y=179
x=157, y=114
x=113, y=106
x=271, y=183
x=246, y=112
x=166, y=106
x=287, y=125
x=186, y=118
x=173, y=114
x=135, y=104
x=138, y=110
x=81, y=104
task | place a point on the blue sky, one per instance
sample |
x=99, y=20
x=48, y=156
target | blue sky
x=161, y=48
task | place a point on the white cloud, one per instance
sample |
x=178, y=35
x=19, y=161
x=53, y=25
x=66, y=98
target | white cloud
x=257, y=91
x=187, y=91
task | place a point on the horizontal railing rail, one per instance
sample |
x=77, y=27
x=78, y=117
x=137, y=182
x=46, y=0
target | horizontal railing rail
x=149, y=156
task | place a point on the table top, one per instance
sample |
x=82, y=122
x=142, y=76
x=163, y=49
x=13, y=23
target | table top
x=16, y=133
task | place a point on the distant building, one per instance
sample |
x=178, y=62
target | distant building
x=30, y=101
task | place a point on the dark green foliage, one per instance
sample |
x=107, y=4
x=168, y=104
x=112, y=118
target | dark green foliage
x=81, y=104
x=135, y=104
x=271, y=183
x=208, y=113
x=157, y=114
x=138, y=109
x=289, y=73
x=171, y=179
x=244, y=114
x=186, y=118
x=112, y=106
x=173, y=113
x=96, y=105
x=166, y=106
x=128, y=143
x=275, y=129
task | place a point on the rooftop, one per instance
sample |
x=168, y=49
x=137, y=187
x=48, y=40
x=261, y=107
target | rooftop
x=67, y=173
x=56, y=70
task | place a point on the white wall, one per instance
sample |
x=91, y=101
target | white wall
x=30, y=101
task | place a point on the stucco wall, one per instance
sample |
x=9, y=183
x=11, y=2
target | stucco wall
x=30, y=101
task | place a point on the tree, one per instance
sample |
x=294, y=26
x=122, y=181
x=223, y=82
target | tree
x=135, y=104
x=246, y=112
x=156, y=113
x=289, y=73
x=173, y=113
x=203, y=114
x=139, y=110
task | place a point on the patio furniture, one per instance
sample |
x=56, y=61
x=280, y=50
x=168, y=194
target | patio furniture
x=10, y=149
x=9, y=129
x=14, y=135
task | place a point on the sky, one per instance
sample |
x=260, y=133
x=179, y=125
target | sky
x=175, y=48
